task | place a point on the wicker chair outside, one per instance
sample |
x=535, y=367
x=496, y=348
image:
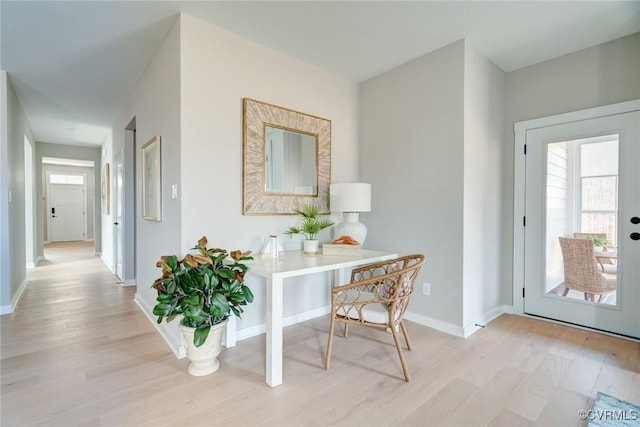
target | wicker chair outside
x=601, y=236
x=581, y=272
x=377, y=296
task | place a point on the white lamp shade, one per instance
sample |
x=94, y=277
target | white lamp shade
x=350, y=197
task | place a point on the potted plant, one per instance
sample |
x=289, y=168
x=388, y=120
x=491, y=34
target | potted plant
x=599, y=243
x=311, y=225
x=203, y=288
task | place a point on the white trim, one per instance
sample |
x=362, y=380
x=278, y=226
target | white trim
x=287, y=321
x=128, y=282
x=106, y=262
x=430, y=322
x=31, y=264
x=484, y=320
x=40, y=258
x=85, y=206
x=8, y=309
x=520, y=129
x=178, y=349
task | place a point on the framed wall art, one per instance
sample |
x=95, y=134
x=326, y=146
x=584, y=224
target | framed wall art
x=151, y=180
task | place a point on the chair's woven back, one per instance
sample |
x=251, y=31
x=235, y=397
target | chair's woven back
x=397, y=278
x=581, y=270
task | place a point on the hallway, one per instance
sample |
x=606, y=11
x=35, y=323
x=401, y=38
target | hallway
x=78, y=351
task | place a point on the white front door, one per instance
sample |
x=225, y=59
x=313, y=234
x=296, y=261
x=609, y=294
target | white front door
x=66, y=212
x=582, y=181
x=118, y=219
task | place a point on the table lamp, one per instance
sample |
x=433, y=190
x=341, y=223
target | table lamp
x=350, y=198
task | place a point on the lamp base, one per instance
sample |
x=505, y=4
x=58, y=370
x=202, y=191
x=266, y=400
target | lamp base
x=351, y=226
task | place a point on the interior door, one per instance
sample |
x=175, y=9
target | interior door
x=582, y=179
x=66, y=212
x=118, y=219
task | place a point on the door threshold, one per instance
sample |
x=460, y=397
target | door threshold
x=584, y=328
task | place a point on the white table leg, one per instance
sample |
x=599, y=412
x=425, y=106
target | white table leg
x=274, y=332
x=229, y=339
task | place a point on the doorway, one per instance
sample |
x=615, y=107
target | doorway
x=579, y=204
x=66, y=207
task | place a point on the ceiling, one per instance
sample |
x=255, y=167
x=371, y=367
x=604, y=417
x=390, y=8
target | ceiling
x=74, y=64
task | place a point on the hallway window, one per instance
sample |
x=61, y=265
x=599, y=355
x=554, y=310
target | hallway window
x=56, y=178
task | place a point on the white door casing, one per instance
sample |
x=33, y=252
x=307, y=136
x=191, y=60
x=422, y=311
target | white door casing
x=530, y=197
x=118, y=217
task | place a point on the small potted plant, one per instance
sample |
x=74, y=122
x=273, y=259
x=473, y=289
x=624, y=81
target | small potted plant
x=599, y=243
x=205, y=289
x=311, y=225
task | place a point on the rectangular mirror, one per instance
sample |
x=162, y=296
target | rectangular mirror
x=290, y=162
x=287, y=160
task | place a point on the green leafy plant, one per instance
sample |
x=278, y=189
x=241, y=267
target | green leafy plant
x=311, y=224
x=204, y=288
x=597, y=241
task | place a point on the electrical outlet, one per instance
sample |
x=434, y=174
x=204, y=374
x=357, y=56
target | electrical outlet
x=426, y=288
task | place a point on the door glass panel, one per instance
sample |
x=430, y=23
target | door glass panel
x=582, y=204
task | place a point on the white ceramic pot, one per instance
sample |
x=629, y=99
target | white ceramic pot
x=204, y=359
x=310, y=246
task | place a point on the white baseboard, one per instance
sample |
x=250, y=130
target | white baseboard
x=287, y=321
x=176, y=347
x=8, y=309
x=40, y=258
x=446, y=327
x=128, y=282
x=107, y=263
x=456, y=330
x=31, y=265
x=484, y=320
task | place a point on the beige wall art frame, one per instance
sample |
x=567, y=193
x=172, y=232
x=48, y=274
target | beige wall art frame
x=105, y=189
x=256, y=117
x=151, y=180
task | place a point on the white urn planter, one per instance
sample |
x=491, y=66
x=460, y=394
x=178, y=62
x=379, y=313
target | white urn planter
x=310, y=246
x=204, y=359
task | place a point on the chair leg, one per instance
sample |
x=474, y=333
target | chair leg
x=600, y=297
x=399, y=348
x=406, y=335
x=346, y=329
x=327, y=358
x=565, y=292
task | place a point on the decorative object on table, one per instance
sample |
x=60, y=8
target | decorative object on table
x=343, y=245
x=609, y=411
x=106, y=189
x=286, y=159
x=377, y=296
x=600, y=244
x=272, y=248
x=311, y=225
x=151, y=180
x=205, y=288
x=351, y=198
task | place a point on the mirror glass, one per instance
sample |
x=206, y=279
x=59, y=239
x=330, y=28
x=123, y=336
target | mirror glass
x=290, y=162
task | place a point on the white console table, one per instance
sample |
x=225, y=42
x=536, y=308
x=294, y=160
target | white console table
x=294, y=264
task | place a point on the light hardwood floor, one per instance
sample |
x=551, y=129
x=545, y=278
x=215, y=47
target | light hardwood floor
x=77, y=351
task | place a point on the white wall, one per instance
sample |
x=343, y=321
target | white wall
x=12, y=205
x=218, y=70
x=601, y=75
x=484, y=85
x=5, y=254
x=412, y=140
x=155, y=104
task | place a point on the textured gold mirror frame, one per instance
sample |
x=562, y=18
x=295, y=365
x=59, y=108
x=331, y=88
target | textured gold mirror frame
x=256, y=201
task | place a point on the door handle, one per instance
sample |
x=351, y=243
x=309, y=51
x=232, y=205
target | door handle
x=635, y=220
x=635, y=236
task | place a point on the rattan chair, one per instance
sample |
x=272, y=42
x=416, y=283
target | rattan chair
x=377, y=296
x=600, y=236
x=581, y=272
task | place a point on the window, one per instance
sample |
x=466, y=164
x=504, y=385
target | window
x=56, y=178
x=598, y=173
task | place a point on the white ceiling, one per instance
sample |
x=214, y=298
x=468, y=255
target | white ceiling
x=73, y=64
